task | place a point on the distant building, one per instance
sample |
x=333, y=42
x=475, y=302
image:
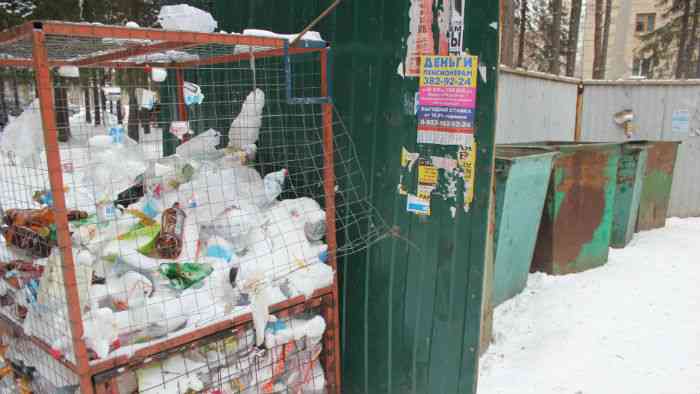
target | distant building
x=629, y=20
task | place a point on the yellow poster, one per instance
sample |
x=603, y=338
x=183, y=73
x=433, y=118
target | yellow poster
x=467, y=161
x=427, y=175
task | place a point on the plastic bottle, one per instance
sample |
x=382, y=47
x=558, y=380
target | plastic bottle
x=169, y=242
x=273, y=184
x=44, y=197
x=27, y=239
x=38, y=217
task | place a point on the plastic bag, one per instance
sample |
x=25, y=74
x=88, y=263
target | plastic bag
x=23, y=137
x=193, y=93
x=146, y=234
x=234, y=225
x=245, y=129
x=185, y=275
x=146, y=98
x=201, y=147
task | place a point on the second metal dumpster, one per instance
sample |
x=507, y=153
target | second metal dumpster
x=656, y=190
x=522, y=178
x=630, y=178
x=577, y=221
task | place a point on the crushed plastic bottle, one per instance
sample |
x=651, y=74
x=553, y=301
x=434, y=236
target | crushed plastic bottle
x=274, y=184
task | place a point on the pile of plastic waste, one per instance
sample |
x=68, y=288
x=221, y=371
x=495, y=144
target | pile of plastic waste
x=163, y=246
x=234, y=365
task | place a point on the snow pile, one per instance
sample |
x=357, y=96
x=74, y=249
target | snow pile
x=631, y=326
x=186, y=18
x=308, y=36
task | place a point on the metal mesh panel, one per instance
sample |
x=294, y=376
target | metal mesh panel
x=230, y=362
x=194, y=196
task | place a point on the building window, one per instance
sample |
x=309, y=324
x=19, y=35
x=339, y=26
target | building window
x=646, y=23
x=642, y=67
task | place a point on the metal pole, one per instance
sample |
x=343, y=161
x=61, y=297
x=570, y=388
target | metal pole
x=314, y=22
x=329, y=191
x=53, y=158
x=579, y=112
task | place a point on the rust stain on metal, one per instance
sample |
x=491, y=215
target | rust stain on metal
x=662, y=157
x=658, y=181
x=577, y=210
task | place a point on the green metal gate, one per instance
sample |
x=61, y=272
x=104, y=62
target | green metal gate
x=412, y=303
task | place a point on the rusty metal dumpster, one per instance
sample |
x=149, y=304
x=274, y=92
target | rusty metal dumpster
x=522, y=178
x=576, y=225
x=630, y=177
x=656, y=189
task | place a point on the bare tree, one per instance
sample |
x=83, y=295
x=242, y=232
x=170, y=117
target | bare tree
x=555, y=61
x=523, y=30
x=96, y=97
x=61, y=107
x=3, y=105
x=682, y=56
x=697, y=43
x=15, y=92
x=693, y=41
x=508, y=32
x=133, y=119
x=120, y=112
x=606, y=39
x=88, y=111
x=598, y=39
x=572, y=44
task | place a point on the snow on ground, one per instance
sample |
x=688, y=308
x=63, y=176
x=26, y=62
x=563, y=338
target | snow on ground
x=632, y=326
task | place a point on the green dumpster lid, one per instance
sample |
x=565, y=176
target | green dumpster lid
x=570, y=145
x=508, y=152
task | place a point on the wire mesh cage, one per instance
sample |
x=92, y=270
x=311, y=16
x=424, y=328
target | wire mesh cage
x=164, y=184
x=292, y=361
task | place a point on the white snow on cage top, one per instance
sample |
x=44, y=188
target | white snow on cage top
x=308, y=36
x=186, y=18
x=164, y=57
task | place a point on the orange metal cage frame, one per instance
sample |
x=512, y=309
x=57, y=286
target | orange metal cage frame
x=36, y=32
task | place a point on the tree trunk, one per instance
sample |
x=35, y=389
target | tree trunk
x=572, y=45
x=555, y=59
x=507, y=34
x=606, y=39
x=598, y=40
x=697, y=65
x=120, y=113
x=693, y=42
x=103, y=97
x=3, y=104
x=682, y=57
x=88, y=110
x=133, y=122
x=61, y=109
x=523, y=30
x=96, y=99
x=15, y=92
x=145, y=119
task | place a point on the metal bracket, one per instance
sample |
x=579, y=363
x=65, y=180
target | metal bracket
x=288, y=75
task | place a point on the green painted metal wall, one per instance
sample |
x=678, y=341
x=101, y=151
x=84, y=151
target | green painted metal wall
x=411, y=305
